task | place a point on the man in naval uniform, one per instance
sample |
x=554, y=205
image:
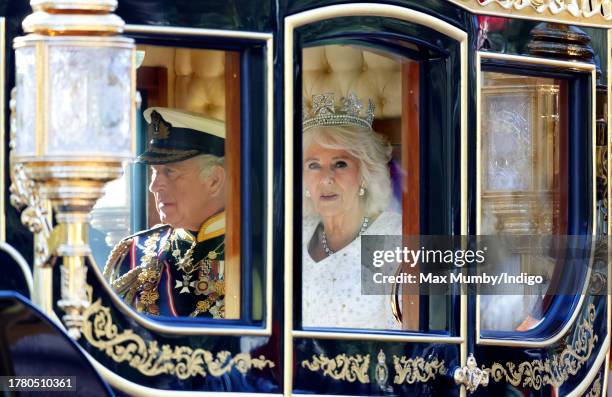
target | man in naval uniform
x=176, y=268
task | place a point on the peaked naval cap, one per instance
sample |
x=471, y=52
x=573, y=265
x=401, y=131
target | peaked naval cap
x=176, y=135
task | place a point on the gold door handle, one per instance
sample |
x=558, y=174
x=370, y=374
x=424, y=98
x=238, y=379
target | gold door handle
x=471, y=376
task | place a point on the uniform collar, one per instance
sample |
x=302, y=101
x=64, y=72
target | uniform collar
x=211, y=228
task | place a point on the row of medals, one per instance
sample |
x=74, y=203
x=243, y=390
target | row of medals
x=204, y=285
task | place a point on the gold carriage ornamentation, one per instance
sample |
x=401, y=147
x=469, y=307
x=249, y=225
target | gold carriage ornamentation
x=556, y=369
x=341, y=367
x=151, y=359
x=561, y=11
x=352, y=368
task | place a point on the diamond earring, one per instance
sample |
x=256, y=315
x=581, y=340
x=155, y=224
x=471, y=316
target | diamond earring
x=361, y=191
x=307, y=193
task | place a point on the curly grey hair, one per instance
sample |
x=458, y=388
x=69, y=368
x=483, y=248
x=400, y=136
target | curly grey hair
x=373, y=153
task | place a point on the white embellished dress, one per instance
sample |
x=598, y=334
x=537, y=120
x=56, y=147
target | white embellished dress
x=331, y=288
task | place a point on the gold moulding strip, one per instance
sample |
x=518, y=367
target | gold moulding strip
x=150, y=359
x=554, y=370
x=356, y=368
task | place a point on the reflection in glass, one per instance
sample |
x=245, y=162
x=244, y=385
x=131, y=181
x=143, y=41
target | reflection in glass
x=523, y=184
x=110, y=217
x=347, y=185
x=184, y=259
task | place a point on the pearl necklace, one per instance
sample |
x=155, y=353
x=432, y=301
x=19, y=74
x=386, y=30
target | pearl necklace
x=329, y=251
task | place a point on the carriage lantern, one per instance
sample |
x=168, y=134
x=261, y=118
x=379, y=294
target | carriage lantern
x=73, y=127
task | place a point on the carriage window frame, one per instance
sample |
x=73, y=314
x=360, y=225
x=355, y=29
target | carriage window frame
x=293, y=91
x=541, y=335
x=243, y=42
x=3, y=148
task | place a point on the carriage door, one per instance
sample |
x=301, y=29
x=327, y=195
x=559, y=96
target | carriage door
x=544, y=332
x=225, y=76
x=413, y=68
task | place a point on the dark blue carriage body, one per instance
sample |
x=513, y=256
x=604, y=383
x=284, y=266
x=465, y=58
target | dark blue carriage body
x=272, y=353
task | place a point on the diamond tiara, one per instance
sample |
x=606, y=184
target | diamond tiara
x=324, y=112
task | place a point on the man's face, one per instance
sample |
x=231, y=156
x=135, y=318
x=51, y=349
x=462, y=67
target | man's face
x=181, y=195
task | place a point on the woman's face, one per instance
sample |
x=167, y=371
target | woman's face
x=333, y=178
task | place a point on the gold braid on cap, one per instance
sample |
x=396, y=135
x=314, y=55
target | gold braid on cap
x=324, y=112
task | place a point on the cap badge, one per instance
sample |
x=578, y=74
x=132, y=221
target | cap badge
x=158, y=128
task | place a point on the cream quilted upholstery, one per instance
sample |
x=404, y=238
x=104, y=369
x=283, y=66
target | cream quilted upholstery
x=200, y=81
x=341, y=69
x=196, y=77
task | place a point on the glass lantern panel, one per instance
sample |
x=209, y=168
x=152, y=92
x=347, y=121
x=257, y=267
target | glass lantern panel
x=89, y=93
x=25, y=101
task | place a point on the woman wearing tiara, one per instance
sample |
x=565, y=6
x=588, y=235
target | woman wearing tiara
x=347, y=189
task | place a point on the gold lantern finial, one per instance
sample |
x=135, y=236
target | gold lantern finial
x=73, y=17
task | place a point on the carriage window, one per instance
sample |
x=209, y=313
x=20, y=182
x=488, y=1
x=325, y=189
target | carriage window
x=523, y=185
x=180, y=201
x=360, y=176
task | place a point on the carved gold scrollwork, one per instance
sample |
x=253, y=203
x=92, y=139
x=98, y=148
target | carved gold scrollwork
x=342, y=367
x=570, y=9
x=554, y=370
x=355, y=368
x=596, y=389
x=150, y=359
x=413, y=370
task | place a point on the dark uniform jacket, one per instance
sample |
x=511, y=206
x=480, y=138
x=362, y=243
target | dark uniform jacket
x=172, y=272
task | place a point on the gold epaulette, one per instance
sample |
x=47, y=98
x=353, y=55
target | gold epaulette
x=116, y=256
x=152, y=229
x=120, y=251
x=122, y=284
